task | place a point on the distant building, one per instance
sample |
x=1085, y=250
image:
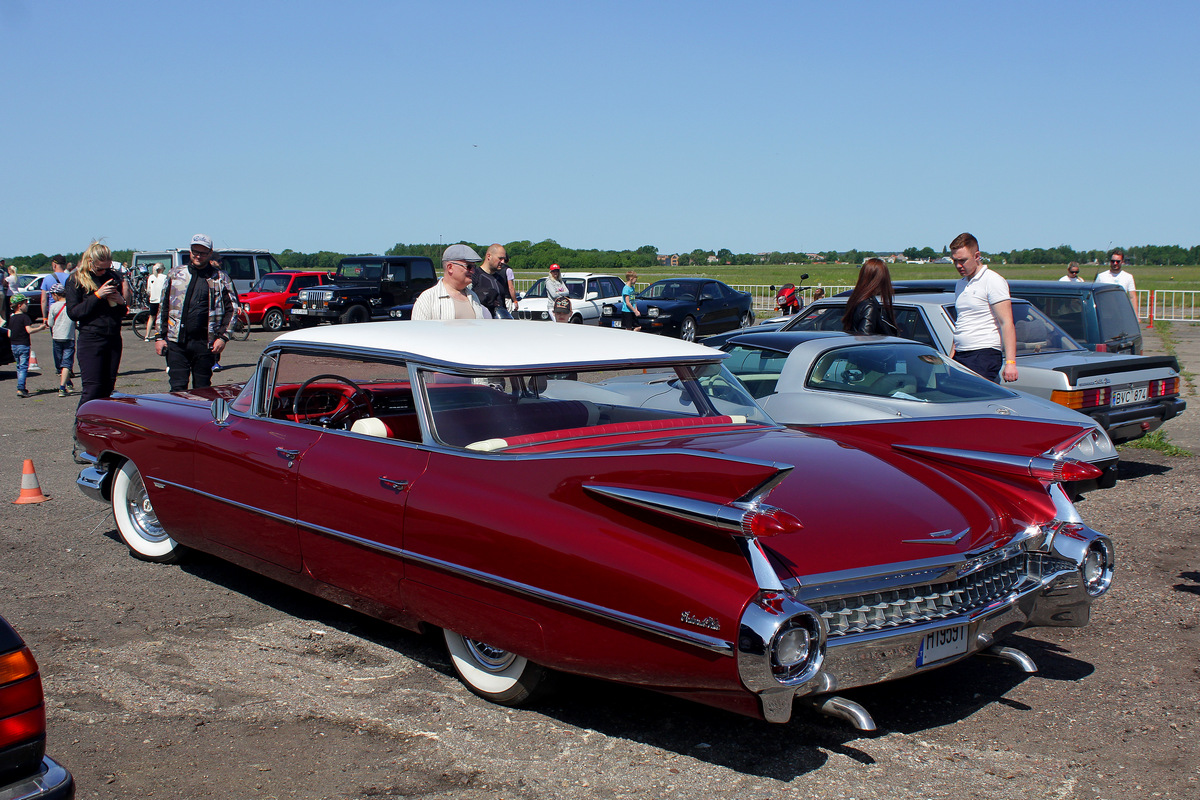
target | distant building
x=712, y=259
x=669, y=261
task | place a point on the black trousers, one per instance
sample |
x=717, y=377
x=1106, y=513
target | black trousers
x=193, y=361
x=99, y=360
x=986, y=362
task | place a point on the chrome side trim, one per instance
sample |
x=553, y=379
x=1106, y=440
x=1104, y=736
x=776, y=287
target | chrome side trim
x=710, y=643
x=713, y=515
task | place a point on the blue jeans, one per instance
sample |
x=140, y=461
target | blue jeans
x=64, y=354
x=21, y=354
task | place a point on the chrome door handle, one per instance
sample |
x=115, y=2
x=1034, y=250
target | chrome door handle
x=290, y=455
x=396, y=486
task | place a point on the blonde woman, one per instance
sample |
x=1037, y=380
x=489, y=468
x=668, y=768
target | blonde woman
x=96, y=300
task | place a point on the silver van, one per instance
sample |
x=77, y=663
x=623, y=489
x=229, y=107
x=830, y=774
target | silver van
x=244, y=266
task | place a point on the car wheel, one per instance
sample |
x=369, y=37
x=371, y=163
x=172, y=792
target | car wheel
x=136, y=521
x=273, y=320
x=355, y=314
x=576, y=319
x=747, y=319
x=687, y=329
x=495, y=675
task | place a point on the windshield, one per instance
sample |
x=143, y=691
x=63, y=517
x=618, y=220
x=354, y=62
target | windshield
x=500, y=412
x=272, y=283
x=900, y=372
x=360, y=271
x=575, y=287
x=670, y=290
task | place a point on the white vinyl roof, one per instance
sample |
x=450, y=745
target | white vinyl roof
x=502, y=344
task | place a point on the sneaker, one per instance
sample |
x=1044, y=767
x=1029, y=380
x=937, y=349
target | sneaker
x=216, y=367
x=70, y=386
x=22, y=393
x=62, y=391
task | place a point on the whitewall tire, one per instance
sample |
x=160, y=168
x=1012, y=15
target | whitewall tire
x=495, y=675
x=136, y=521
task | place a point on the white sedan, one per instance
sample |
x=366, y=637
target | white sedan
x=589, y=292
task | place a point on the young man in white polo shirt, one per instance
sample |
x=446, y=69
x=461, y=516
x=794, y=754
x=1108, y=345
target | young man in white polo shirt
x=985, y=339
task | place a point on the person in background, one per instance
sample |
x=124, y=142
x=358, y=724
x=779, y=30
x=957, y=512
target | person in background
x=9, y=274
x=818, y=294
x=451, y=297
x=865, y=315
x=555, y=288
x=1119, y=276
x=629, y=309
x=985, y=338
x=56, y=278
x=1072, y=275
x=195, y=312
x=489, y=285
x=62, y=334
x=20, y=326
x=154, y=290
x=97, y=300
x=495, y=264
x=511, y=278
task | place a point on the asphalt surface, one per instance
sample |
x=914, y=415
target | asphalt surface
x=204, y=679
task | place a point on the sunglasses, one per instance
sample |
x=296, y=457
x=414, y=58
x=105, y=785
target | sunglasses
x=1074, y=271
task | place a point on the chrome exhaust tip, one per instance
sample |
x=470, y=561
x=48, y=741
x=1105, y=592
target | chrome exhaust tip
x=840, y=707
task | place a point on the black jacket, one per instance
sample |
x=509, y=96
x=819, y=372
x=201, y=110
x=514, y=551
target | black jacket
x=868, y=320
x=94, y=316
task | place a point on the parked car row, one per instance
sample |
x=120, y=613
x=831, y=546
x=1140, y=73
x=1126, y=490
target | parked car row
x=675, y=538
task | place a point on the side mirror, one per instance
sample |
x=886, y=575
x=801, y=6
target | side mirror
x=520, y=295
x=220, y=410
x=772, y=287
x=592, y=296
x=804, y=276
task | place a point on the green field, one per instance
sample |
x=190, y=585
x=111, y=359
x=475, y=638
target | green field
x=1147, y=278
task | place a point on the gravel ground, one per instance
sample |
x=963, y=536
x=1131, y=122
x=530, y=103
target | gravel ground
x=181, y=681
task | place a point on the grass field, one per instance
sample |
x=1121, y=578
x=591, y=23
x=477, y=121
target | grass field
x=1147, y=278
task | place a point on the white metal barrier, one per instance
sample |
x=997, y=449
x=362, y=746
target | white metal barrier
x=1167, y=305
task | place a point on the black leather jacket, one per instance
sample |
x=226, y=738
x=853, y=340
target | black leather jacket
x=868, y=320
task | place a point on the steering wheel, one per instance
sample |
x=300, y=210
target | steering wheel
x=358, y=400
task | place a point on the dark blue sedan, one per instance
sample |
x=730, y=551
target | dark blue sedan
x=687, y=308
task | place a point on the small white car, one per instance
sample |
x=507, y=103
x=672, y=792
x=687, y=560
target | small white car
x=589, y=292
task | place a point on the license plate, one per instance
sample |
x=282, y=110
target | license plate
x=941, y=644
x=1125, y=397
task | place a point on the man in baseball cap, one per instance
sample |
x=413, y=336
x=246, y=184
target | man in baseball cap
x=452, y=297
x=195, y=311
x=557, y=294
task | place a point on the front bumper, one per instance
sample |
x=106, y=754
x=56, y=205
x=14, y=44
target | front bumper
x=95, y=479
x=1039, y=581
x=51, y=782
x=316, y=313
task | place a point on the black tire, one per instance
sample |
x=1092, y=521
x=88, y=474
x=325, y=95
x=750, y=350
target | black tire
x=747, y=319
x=273, y=320
x=354, y=315
x=137, y=523
x=576, y=319
x=687, y=329
x=139, y=324
x=496, y=675
x=240, y=329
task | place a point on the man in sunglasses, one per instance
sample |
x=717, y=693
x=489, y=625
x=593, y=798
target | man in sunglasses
x=1072, y=275
x=451, y=297
x=195, y=311
x=1116, y=274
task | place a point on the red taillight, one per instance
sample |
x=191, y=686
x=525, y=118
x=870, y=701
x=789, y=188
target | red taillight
x=22, y=708
x=1164, y=387
x=1101, y=348
x=1066, y=470
x=1081, y=398
x=769, y=521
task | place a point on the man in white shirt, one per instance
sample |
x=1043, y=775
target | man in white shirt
x=1119, y=276
x=985, y=338
x=451, y=297
x=1072, y=275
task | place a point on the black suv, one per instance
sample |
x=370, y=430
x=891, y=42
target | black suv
x=1097, y=315
x=365, y=287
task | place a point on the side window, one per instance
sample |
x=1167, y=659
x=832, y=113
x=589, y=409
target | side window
x=305, y=281
x=710, y=291
x=421, y=270
x=327, y=391
x=240, y=268
x=912, y=326
x=538, y=289
x=613, y=287
x=1115, y=315
x=397, y=273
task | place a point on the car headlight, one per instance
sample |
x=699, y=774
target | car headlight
x=652, y=311
x=607, y=312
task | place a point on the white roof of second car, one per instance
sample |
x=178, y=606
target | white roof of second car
x=501, y=344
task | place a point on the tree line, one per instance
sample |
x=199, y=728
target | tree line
x=527, y=255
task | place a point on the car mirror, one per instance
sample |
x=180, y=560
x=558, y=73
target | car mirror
x=220, y=410
x=592, y=296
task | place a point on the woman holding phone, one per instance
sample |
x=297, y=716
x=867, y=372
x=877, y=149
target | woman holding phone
x=96, y=300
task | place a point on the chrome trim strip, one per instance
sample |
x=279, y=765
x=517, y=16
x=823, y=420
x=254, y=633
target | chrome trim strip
x=714, y=515
x=709, y=643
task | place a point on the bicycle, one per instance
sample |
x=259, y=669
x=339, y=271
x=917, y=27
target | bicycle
x=240, y=327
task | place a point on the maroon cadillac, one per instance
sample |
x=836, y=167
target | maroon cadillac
x=500, y=483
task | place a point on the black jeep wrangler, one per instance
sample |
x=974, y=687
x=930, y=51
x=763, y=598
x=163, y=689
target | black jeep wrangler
x=364, y=288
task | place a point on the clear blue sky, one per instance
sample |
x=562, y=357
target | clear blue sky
x=351, y=126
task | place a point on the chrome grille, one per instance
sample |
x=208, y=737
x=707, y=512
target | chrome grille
x=315, y=297
x=894, y=608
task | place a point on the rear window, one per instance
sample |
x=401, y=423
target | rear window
x=1115, y=315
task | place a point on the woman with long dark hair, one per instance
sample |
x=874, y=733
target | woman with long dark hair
x=96, y=301
x=864, y=314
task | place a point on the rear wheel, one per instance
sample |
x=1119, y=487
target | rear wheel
x=139, y=324
x=687, y=329
x=355, y=314
x=576, y=319
x=747, y=319
x=273, y=320
x=136, y=521
x=495, y=675
x=240, y=327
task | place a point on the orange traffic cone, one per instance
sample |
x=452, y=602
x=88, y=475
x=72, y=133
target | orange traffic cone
x=33, y=365
x=31, y=492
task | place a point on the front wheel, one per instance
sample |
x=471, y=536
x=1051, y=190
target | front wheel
x=273, y=320
x=496, y=675
x=240, y=329
x=747, y=319
x=687, y=329
x=354, y=315
x=136, y=521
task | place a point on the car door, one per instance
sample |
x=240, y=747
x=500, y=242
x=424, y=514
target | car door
x=246, y=476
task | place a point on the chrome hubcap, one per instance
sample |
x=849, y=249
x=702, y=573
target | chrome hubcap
x=490, y=658
x=141, y=512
